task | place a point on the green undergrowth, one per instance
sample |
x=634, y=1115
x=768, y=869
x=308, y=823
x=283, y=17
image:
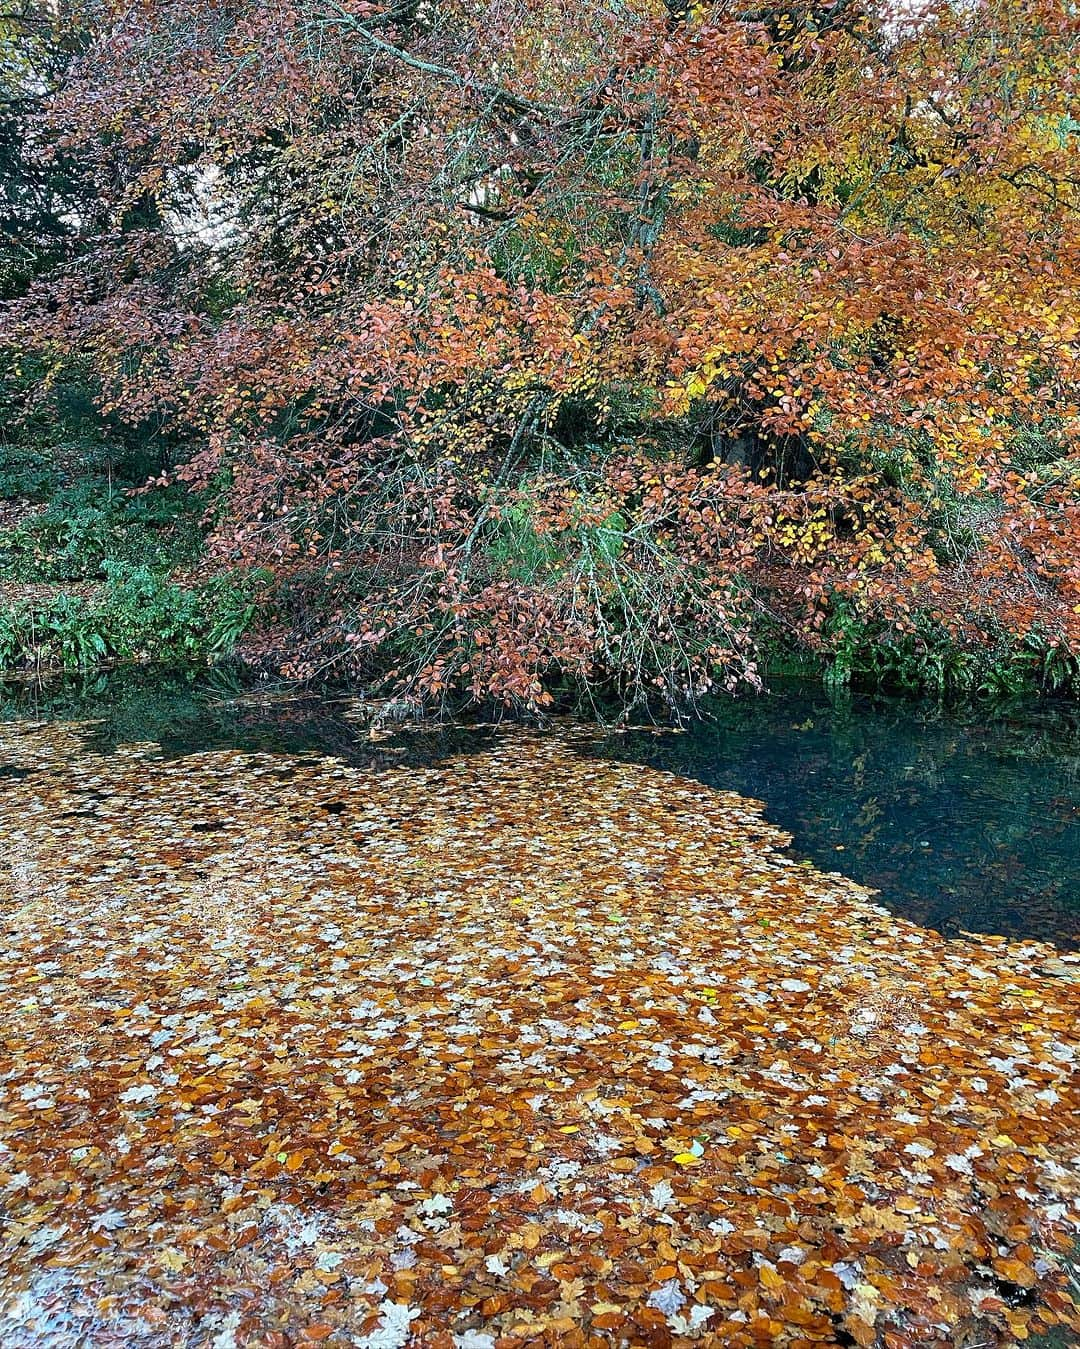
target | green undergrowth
x=84, y=527
x=926, y=659
x=72, y=510
x=91, y=569
x=134, y=615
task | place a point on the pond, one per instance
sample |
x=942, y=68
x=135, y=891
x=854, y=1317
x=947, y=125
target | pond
x=478, y=1036
x=964, y=819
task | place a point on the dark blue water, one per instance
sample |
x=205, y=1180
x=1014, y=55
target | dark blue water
x=964, y=819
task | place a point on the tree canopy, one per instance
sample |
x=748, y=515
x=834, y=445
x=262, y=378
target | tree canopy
x=535, y=341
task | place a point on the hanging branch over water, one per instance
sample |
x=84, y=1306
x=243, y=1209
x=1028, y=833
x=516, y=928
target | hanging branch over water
x=796, y=286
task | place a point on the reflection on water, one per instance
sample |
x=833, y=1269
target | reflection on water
x=964, y=819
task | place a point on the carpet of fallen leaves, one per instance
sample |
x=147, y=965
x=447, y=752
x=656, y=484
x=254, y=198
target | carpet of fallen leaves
x=519, y=1047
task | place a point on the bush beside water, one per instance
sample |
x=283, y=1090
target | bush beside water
x=89, y=568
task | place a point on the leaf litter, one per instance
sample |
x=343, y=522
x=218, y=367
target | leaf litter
x=389, y=1075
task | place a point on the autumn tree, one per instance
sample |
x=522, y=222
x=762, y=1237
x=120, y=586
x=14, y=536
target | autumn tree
x=40, y=195
x=539, y=342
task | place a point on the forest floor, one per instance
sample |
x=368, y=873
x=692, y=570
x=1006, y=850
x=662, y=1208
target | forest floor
x=516, y=1047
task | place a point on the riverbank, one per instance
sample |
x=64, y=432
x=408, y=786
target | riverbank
x=139, y=617
x=95, y=571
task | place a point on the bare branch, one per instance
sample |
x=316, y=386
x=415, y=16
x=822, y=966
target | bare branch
x=495, y=94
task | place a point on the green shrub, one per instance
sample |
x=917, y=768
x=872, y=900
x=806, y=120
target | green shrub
x=928, y=658
x=136, y=616
x=26, y=474
x=87, y=525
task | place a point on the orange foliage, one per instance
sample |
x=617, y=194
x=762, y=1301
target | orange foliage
x=528, y=340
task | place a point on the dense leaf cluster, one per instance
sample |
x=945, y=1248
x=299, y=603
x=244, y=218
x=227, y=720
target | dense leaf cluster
x=510, y=1050
x=536, y=344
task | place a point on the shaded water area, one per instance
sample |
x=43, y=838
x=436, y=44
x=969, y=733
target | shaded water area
x=963, y=818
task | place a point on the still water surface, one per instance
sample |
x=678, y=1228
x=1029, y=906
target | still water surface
x=964, y=819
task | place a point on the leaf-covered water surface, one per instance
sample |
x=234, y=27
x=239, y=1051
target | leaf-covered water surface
x=521, y=1047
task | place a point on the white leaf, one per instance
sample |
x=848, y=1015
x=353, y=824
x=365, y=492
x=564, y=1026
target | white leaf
x=392, y=1332
x=668, y=1298
x=662, y=1195
x=919, y=1150
x=226, y=1337
x=134, y=1094
x=108, y=1221
x=692, y=1324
